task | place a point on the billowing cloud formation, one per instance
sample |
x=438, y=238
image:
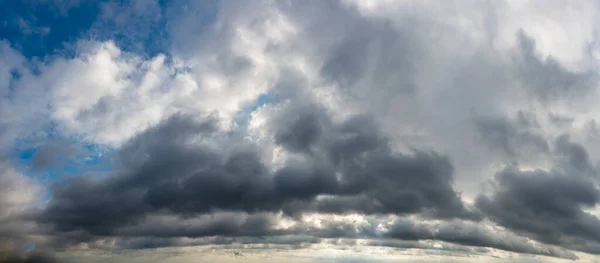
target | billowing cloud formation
x=458, y=127
x=188, y=168
x=524, y=198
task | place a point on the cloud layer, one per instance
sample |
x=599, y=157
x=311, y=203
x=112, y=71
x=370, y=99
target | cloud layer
x=462, y=127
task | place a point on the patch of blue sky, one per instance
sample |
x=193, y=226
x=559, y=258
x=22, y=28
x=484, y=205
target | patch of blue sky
x=262, y=100
x=96, y=160
x=41, y=28
x=149, y=32
x=204, y=13
x=143, y=32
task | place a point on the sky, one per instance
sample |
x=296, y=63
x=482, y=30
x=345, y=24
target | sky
x=309, y=131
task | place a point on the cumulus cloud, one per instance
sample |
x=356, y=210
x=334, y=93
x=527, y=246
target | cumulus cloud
x=524, y=198
x=192, y=168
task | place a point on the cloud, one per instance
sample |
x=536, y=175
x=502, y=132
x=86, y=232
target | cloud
x=404, y=232
x=515, y=140
x=191, y=168
x=548, y=79
x=36, y=258
x=409, y=124
x=18, y=195
x=524, y=198
x=172, y=167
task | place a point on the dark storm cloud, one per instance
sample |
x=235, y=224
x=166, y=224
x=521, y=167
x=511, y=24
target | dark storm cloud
x=216, y=224
x=99, y=205
x=163, y=170
x=373, y=177
x=33, y=258
x=546, y=206
x=84, y=203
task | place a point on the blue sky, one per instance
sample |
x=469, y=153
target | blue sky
x=48, y=28
x=40, y=29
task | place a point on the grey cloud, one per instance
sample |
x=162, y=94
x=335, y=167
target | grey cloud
x=162, y=170
x=300, y=133
x=429, y=248
x=34, y=258
x=367, y=57
x=17, y=197
x=516, y=139
x=374, y=178
x=149, y=242
x=11, y=251
x=575, y=156
x=186, y=170
x=430, y=87
x=52, y=153
x=377, y=43
x=473, y=235
x=547, y=79
x=216, y=224
x=524, y=201
x=180, y=232
x=102, y=107
x=560, y=120
x=411, y=233
x=404, y=231
x=283, y=242
x=381, y=59
x=234, y=64
x=84, y=203
x=521, y=139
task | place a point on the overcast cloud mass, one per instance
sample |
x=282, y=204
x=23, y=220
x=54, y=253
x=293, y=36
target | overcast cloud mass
x=342, y=131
